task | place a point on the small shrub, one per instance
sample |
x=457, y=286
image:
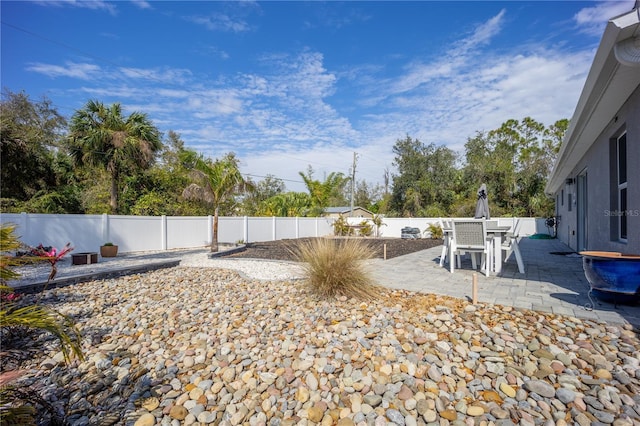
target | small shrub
x=334, y=267
x=435, y=230
x=366, y=228
x=341, y=227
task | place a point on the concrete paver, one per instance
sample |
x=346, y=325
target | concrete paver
x=552, y=283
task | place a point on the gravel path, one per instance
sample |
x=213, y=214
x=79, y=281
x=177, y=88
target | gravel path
x=195, y=345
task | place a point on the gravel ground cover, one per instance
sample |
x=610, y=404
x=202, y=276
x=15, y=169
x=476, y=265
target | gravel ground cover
x=196, y=345
x=282, y=249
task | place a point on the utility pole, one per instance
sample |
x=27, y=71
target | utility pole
x=353, y=182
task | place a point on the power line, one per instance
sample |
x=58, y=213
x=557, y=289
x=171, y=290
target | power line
x=282, y=179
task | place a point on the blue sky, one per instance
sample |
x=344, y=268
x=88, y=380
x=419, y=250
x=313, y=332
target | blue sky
x=286, y=85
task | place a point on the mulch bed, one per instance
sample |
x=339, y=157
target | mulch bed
x=281, y=249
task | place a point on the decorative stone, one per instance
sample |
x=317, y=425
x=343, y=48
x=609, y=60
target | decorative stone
x=475, y=411
x=540, y=387
x=150, y=404
x=565, y=395
x=450, y=415
x=372, y=400
x=395, y=416
x=178, y=412
x=146, y=419
x=603, y=374
x=315, y=414
x=507, y=390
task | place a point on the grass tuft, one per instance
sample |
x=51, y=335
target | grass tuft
x=334, y=267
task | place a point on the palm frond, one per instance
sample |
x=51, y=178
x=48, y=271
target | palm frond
x=38, y=317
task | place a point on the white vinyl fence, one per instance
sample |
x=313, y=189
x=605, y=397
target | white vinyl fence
x=87, y=233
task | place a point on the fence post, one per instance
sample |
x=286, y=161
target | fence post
x=245, y=229
x=163, y=231
x=297, y=227
x=24, y=226
x=105, y=228
x=273, y=228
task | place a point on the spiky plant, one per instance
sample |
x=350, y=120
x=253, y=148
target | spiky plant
x=14, y=404
x=334, y=267
x=435, y=230
x=9, y=243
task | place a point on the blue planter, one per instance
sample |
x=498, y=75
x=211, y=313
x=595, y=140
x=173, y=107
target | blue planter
x=613, y=276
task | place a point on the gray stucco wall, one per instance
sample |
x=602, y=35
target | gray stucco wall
x=600, y=209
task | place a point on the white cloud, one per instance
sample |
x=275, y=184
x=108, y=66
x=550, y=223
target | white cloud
x=482, y=34
x=166, y=75
x=592, y=20
x=93, y=4
x=142, y=4
x=450, y=60
x=283, y=117
x=82, y=71
x=220, y=22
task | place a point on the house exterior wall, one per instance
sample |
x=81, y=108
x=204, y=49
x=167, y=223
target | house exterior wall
x=602, y=209
x=357, y=212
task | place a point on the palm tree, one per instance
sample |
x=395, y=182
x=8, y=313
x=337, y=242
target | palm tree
x=216, y=182
x=289, y=204
x=323, y=193
x=16, y=405
x=101, y=136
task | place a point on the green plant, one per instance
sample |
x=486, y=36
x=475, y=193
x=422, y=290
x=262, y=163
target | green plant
x=334, y=267
x=16, y=404
x=377, y=221
x=341, y=227
x=366, y=228
x=108, y=244
x=435, y=230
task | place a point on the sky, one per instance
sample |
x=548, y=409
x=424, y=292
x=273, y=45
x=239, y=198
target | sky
x=292, y=85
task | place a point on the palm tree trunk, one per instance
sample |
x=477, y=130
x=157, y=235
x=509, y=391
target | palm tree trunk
x=214, y=240
x=114, y=192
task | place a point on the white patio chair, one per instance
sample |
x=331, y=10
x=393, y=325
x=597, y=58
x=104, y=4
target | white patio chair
x=510, y=244
x=470, y=235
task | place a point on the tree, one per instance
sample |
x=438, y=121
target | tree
x=323, y=194
x=216, y=182
x=101, y=136
x=514, y=162
x=29, y=131
x=367, y=195
x=288, y=204
x=426, y=179
x=265, y=189
x=158, y=190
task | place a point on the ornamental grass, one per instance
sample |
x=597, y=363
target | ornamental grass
x=334, y=267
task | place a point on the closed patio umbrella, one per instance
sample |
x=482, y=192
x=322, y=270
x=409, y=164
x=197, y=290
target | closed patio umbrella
x=482, y=206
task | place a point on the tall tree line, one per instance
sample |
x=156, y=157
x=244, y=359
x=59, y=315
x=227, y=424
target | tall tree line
x=103, y=161
x=513, y=161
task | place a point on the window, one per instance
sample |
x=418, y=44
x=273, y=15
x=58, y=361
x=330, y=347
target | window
x=622, y=186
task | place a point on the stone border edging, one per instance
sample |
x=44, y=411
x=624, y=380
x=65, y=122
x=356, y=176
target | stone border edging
x=238, y=249
x=112, y=273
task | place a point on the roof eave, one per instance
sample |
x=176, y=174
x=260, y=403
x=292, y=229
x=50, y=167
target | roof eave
x=608, y=86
